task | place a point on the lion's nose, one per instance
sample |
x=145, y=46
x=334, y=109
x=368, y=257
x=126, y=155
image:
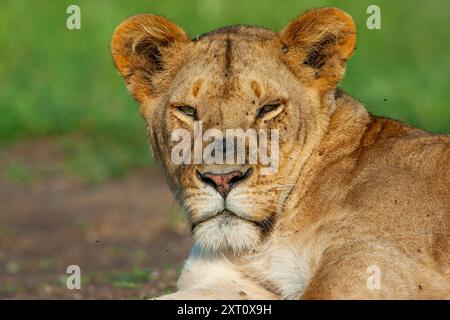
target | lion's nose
x=224, y=182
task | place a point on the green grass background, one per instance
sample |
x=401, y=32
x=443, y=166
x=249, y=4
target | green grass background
x=62, y=84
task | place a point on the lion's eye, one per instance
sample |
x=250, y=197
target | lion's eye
x=189, y=111
x=268, y=108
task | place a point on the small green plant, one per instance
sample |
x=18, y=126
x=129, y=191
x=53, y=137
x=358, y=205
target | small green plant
x=9, y=288
x=19, y=172
x=13, y=267
x=7, y=231
x=130, y=279
x=47, y=264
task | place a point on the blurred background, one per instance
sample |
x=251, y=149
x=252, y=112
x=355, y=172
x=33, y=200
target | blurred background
x=77, y=182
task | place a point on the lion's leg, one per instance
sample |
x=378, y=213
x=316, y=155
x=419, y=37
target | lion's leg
x=217, y=292
x=370, y=272
x=216, y=278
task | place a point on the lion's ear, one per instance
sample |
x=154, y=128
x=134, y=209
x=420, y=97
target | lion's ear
x=141, y=46
x=319, y=43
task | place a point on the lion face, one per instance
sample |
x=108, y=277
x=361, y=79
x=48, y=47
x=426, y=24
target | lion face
x=232, y=205
x=275, y=88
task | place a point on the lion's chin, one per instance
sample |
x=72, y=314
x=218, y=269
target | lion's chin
x=226, y=233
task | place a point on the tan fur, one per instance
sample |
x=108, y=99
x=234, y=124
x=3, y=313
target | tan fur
x=352, y=190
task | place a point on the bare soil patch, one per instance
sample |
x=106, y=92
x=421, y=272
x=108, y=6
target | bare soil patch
x=126, y=235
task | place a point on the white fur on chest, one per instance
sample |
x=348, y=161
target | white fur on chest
x=286, y=268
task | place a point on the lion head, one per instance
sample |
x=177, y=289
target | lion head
x=239, y=77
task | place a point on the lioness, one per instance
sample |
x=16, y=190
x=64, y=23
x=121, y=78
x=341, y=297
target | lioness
x=360, y=205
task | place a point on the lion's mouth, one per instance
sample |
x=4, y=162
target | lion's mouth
x=224, y=214
x=227, y=216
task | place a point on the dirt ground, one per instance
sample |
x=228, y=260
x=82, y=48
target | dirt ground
x=127, y=235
